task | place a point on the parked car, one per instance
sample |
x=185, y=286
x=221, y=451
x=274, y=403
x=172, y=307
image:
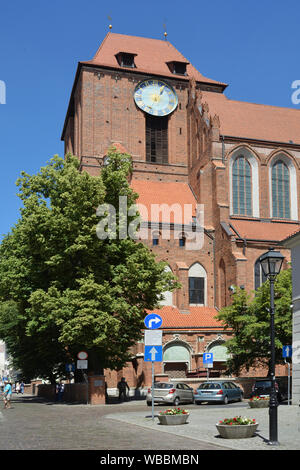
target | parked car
x=174, y=393
x=222, y=391
x=262, y=388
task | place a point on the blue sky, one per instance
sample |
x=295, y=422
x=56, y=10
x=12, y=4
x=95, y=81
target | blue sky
x=251, y=45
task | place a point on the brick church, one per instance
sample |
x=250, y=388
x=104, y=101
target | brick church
x=190, y=145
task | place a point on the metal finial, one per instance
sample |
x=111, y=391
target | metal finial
x=165, y=33
x=110, y=25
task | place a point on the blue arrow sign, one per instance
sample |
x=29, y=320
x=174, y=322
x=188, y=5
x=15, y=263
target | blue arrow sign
x=287, y=351
x=70, y=367
x=153, y=321
x=208, y=358
x=153, y=353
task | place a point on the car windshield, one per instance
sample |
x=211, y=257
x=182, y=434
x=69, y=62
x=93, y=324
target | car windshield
x=163, y=385
x=210, y=386
x=263, y=384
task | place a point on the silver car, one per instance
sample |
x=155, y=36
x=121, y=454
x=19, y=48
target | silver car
x=222, y=391
x=174, y=393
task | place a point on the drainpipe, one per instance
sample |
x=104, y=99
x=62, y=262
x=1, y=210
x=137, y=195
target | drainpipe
x=223, y=148
x=215, y=275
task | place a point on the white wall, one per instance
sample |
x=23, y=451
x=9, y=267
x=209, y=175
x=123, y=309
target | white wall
x=296, y=323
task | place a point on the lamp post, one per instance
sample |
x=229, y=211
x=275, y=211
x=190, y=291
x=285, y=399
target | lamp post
x=271, y=263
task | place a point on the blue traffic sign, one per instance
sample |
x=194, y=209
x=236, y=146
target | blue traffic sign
x=208, y=358
x=287, y=351
x=153, y=353
x=70, y=367
x=153, y=321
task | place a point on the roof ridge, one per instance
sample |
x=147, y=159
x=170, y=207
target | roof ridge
x=261, y=104
x=101, y=45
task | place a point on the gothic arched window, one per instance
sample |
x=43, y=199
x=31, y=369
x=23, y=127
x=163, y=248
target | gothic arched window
x=241, y=187
x=197, y=285
x=280, y=190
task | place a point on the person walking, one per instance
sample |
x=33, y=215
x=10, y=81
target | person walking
x=7, y=392
x=122, y=386
x=61, y=389
x=22, y=386
x=17, y=388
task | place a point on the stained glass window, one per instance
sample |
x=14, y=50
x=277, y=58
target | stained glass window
x=280, y=190
x=241, y=187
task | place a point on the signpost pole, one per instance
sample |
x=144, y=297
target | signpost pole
x=287, y=352
x=289, y=377
x=152, y=391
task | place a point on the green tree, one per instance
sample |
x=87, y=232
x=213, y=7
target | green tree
x=62, y=288
x=248, y=318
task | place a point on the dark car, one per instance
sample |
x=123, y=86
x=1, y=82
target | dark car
x=262, y=388
x=218, y=391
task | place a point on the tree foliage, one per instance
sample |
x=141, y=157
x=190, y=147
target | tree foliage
x=249, y=319
x=62, y=289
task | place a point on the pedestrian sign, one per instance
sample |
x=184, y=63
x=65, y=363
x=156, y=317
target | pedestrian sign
x=153, y=353
x=153, y=321
x=287, y=351
x=70, y=367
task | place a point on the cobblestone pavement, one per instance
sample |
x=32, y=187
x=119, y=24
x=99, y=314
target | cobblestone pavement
x=202, y=422
x=34, y=424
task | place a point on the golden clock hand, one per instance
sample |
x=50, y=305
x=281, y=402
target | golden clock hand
x=162, y=89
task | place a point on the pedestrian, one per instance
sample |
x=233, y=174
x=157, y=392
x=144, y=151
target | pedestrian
x=61, y=389
x=17, y=388
x=7, y=392
x=22, y=386
x=122, y=386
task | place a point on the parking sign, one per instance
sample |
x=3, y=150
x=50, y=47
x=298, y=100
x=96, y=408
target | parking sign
x=208, y=358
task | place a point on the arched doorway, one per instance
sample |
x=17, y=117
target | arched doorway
x=176, y=359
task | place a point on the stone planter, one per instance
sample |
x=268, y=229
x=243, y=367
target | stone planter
x=173, y=420
x=240, y=431
x=259, y=404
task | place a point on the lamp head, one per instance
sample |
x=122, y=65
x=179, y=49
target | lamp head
x=271, y=263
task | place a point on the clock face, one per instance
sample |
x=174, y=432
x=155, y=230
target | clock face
x=155, y=97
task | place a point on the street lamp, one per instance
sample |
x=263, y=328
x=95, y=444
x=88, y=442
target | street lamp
x=271, y=263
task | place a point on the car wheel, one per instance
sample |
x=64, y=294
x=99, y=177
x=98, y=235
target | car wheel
x=198, y=402
x=176, y=401
x=225, y=401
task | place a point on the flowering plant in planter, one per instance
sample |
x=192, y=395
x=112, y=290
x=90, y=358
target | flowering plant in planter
x=257, y=398
x=237, y=420
x=238, y=427
x=174, y=411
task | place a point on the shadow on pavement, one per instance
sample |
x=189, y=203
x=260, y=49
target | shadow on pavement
x=48, y=401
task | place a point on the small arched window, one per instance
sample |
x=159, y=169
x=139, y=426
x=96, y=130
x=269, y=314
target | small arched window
x=182, y=240
x=280, y=190
x=241, y=187
x=155, y=238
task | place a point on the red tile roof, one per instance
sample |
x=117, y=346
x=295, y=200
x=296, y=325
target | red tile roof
x=269, y=231
x=157, y=193
x=151, y=56
x=254, y=121
x=199, y=317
